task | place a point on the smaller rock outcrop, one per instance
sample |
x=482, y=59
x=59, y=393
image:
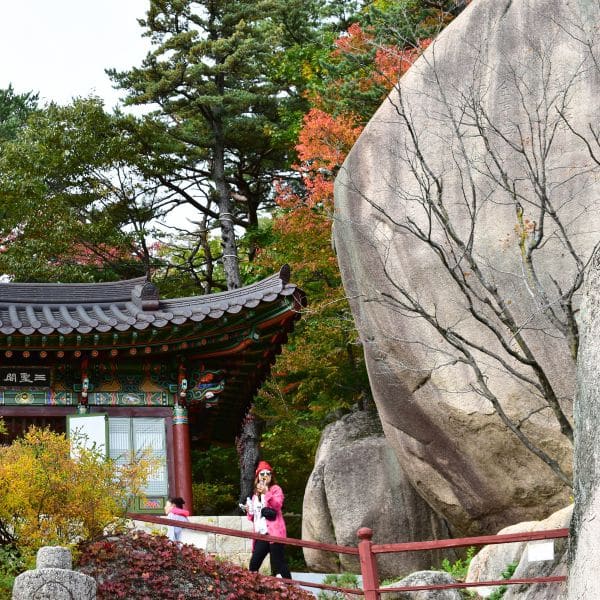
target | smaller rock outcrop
x=357, y=482
x=53, y=579
x=489, y=563
x=424, y=578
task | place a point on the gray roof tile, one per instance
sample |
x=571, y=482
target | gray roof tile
x=47, y=308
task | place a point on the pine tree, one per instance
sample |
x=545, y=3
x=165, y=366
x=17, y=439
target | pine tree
x=14, y=110
x=210, y=81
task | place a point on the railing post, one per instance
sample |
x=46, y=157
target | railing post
x=368, y=564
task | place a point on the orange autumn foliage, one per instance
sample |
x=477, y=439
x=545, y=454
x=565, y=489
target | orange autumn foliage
x=323, y=145
x=392, y=62
x=325, y=140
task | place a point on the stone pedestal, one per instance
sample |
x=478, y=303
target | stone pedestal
x=53, y=579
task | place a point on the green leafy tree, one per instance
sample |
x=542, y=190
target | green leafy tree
x=291, y=444
x=321, y=368
x=215, y=476
x=73, y=206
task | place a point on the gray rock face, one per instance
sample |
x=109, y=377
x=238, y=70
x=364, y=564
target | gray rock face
x=425, y=578
x=465, y=211
x=584, y=581
x=53, y=579
x=491, y=561
x=357, y=482
x=541, y=591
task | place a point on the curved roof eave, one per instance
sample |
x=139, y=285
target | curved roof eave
x=52, y=308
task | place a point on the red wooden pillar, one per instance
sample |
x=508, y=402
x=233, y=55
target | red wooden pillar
x=181, y=444
x=368, y=564
x=182, y=456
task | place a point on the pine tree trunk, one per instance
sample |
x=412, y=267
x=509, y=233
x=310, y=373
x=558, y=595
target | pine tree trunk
x=225, y=203
x=248, y=445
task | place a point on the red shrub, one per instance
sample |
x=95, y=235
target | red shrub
x=139, y=566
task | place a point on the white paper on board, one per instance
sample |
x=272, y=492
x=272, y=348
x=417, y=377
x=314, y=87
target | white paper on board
x=542, y=550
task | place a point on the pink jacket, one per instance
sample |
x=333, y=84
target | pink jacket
x=175, y=510
x=274, y=499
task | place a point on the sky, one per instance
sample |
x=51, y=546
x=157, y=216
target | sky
x=60, y=48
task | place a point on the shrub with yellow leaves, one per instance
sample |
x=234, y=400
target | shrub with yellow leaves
x=51, y=495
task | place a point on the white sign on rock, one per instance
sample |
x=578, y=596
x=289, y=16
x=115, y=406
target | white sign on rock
x=539, y=551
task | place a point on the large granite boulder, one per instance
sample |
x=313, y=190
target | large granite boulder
x=465, y=216
x=357, y=482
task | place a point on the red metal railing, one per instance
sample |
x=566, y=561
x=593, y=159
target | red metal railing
x=367, y=552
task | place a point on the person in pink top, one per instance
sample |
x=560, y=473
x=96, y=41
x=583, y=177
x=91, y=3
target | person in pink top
x=174, y=510
x=264, y=510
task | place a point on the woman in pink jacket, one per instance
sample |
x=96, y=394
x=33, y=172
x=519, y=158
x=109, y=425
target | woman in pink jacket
x=267, y=495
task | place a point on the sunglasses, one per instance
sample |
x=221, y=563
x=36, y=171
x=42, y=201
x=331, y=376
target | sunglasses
x=265, y=473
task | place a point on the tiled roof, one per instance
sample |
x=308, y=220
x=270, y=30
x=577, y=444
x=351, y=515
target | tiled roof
x=64, y=308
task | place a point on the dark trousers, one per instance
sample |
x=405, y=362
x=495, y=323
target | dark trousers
x=278, y=562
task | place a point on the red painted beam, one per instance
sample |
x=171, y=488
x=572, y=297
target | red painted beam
x=367, y=550
x=368, y=564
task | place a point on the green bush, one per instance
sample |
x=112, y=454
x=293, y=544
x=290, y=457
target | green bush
x=459, y=568
x=498, y=594
x=345, y=580
x=214, y=499
x=216, y=464
x=44, y=487
x=216, y=480
x=11, y=564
